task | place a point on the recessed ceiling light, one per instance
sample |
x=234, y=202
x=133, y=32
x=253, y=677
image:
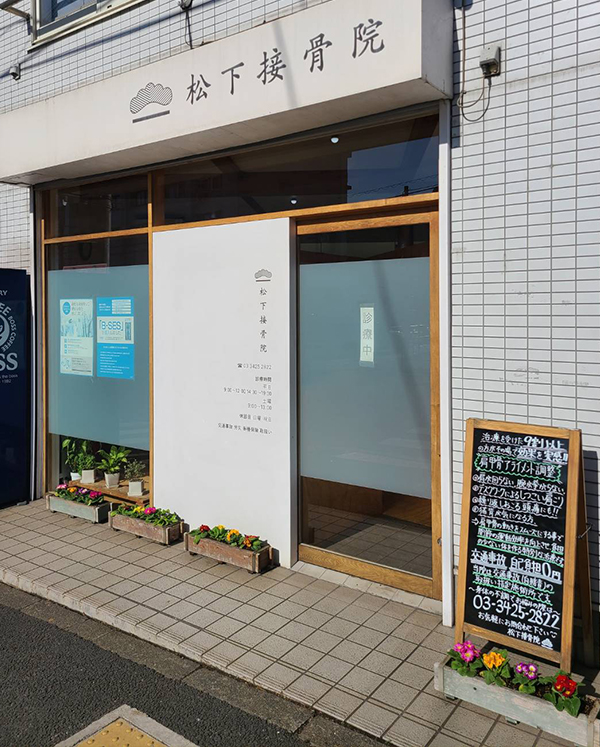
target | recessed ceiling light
x=294, y=201
x=335, y=140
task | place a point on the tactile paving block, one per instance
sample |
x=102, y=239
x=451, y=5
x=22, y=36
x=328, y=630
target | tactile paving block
x=120, y=734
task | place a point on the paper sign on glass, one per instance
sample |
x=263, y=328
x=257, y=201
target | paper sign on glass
x=76, y=336
x=115, y=338
x=367, y=335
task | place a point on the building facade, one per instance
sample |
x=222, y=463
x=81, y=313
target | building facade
x=334, y=240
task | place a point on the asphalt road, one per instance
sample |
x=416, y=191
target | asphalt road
x=54, y=683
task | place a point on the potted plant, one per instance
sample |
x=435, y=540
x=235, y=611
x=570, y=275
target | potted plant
x=134, y=472
x=229, y=546
x=156, y=524
x=111, y=463
x=74, y=450
x=81, y=502
x=519, y=693
x=87, y=468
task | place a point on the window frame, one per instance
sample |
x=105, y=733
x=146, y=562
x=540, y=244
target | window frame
x=90, y=14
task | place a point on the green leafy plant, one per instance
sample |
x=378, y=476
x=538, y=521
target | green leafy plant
x=75, y=451
x=112, y=461
x=160, y=517
x=79, y=495
x=220, y=533
x=526, y=677
x=86, y=461
x=564, y=693
x=135, y=470
x=71, y=448
x=497, y=669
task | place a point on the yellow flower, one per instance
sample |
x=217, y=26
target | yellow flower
x=493, y=660
x=138, y=509
x=220, y=526
x=72, y=490
x=232, y=533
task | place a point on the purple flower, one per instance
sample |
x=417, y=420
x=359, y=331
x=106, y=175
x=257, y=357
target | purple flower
x=83, y=491
x=527, y=670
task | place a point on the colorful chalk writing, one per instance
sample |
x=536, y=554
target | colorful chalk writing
x=516, y=549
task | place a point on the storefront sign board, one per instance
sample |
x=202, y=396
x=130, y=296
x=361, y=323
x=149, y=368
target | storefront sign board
x=333, y=62
x=224, y=433
x=15, y=387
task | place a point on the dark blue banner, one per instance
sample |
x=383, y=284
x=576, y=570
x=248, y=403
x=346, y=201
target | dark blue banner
x=15, y=387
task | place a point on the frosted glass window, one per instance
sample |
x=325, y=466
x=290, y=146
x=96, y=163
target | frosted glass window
x=98, y=342
x=364, y=359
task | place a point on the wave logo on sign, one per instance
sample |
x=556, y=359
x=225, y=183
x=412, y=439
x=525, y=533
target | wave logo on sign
x=263, y=276
x=8, y=334
x=152, y=93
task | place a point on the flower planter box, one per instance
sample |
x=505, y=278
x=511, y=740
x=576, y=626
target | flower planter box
x=163, y=535
x=95, y=514
x=519, y=707
x=254, y=562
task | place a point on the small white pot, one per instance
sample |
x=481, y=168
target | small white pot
x=136, y=488
x=75, y=476
x=88, y=476
x=112, y=481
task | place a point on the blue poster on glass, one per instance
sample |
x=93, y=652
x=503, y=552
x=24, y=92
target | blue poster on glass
x=115, y=338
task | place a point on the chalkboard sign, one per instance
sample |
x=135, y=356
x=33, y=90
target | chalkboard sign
x=518, y=543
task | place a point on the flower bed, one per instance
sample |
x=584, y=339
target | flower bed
x=520, y=693
x=156, y=524
x=90, y=505
x=495, y=669
x=229, y=546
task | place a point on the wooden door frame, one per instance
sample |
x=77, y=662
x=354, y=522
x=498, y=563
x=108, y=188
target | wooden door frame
x=430, y=587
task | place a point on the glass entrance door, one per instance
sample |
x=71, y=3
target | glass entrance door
x=369, y=505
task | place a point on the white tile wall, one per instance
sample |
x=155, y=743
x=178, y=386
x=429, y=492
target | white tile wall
x=135, y=37
x=525, y=217
x=15, y=239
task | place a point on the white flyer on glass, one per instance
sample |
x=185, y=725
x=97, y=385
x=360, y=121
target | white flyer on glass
x=77, y=336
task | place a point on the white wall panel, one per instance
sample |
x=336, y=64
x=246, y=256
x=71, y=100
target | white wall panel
x=224, y=425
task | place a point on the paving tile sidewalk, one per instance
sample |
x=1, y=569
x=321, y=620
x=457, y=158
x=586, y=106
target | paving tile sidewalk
x=363, y=659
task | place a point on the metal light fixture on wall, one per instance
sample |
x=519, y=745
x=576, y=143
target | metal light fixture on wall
x=8, y=6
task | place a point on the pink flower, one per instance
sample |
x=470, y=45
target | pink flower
x=62, y=486
x=467, y=651
x=150, y=510
x=95, y=494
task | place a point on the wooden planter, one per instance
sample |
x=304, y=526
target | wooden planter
x=254, y=562
x=519, y=707
x=163, y=535
x=95, y=514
